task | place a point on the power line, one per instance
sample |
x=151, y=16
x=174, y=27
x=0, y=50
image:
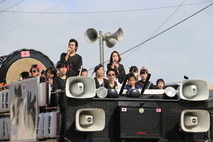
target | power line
x=2, y=1
x=158, y=27
x=162, y=31
x=31, y=19
x=11, y=6
x=167, y=29
x=105, y=12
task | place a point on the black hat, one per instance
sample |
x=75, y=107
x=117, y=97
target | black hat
x=98, y=67
x=133, y=69
x=160, y=80
x=60, y=64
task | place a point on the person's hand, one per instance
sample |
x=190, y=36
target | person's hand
x=50, y=81
x=68, y=54
x=68, y=51
x=114, y=65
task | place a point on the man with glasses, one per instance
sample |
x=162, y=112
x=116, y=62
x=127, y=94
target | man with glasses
x=111, y=75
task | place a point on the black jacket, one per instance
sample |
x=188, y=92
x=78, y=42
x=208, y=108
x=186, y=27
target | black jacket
x=104, y=84
x=74, y=64
x=119, y=71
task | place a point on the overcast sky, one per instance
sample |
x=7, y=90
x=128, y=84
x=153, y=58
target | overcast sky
x=47, y=26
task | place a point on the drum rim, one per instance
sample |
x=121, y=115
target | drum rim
x=35, y=54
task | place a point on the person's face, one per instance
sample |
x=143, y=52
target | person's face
x=111, y=75
x=71, y=47
x=160, y=85
x=131, y=81
x=144, y=76
x=62, y=70
x=34, y=72
x=85, y=73
x=50, y=75
x=115, y=57
x=100, y=72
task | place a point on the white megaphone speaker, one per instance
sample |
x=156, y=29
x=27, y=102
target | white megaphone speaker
x=193, y=90
x=91, y=35
x=195, y=121
x=110, y=42
x=118, y=35
x=90, y=119
x=80, y=87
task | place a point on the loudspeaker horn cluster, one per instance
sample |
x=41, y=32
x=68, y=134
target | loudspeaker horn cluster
x=195, y=121
x=91, y=35
x=193, y=90
x=80, y=87
x=90, y=119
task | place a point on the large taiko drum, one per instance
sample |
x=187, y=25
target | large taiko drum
x=21, y=60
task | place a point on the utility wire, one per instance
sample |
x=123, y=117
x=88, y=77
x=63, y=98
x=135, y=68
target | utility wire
x=11, y=6
x=2, y=1
x=103, y=12
x=158, y=27
x=168, y=28
x=31, y=19
x=163, y=31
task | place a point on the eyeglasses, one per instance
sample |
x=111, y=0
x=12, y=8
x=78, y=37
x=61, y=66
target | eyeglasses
x=111, y=74
x=33, y=71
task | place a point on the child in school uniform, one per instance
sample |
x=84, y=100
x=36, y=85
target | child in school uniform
x=132, y=82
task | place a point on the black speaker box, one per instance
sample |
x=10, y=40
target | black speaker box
x=139, y=122
x=125, y=121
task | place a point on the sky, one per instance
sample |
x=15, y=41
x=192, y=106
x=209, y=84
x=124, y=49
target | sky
x=180, y=44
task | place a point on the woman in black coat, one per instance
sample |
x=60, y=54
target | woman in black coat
x=114, y=64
